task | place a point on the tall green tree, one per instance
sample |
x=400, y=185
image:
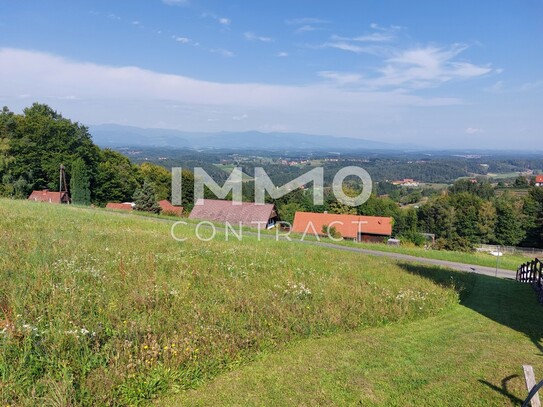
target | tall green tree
x=160, y=177
x=80, y=183
x=38, y=142
x=117, y=178
x=509, y=222
x=145, y=199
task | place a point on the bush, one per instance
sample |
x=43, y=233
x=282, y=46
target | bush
x=457, y=244
x=413, y=237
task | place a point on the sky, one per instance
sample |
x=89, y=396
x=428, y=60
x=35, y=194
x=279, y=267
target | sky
x=437, y=74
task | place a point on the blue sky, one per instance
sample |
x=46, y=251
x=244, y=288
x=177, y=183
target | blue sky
x=433, y=73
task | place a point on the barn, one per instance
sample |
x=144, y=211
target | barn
x=242, y=213
x=50, y=197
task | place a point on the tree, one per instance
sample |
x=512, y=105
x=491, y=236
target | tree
x=187, y=192
x=338, y=207
x=145, y=199
x=117, y=178
x=521, y=182
x=36, y=143
x=486, y=223
x=160, y=177
x=509, y=228
x=288, y=210
x=80, y=183
x=467, y=207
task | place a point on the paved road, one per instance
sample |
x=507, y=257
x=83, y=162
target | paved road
x=489, y=271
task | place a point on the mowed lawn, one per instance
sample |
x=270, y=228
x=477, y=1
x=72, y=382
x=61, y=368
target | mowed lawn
x=470, y=355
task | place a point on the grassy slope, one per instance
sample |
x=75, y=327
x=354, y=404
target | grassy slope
x=469, y=356
x=97, y=308
x=508, y=261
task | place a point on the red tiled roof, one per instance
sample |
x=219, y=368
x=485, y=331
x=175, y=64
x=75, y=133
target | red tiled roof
x=49, y=196
x=539, y=179
x=119, y=206
x=168, y=208
x=246, y=213
x=347, y=225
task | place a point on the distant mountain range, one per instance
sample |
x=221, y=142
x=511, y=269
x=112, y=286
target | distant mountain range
x=113, y=135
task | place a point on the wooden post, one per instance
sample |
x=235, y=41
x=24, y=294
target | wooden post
x=530, y=384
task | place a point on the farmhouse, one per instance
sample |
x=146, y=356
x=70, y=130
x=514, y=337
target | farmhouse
x=126, y=206
x=539, y=181
x=406, y=182
x=244, y=213
x=50, y=197
x=358, y=228
x=168, y=209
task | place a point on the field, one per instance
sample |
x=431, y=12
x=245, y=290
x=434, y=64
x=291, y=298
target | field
x=507, y=261
x=102, y=309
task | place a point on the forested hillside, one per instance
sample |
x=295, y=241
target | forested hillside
x=34, y=145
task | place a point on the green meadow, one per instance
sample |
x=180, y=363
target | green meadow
x=102, y=309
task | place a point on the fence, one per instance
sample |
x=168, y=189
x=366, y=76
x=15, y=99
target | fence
x=532, y=272
x=527, y=251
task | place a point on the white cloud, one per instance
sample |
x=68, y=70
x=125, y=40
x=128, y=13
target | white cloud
x=282, y=54
x=341, y=78
x=131, y=95
x=307, y=28
x=473, y=130
x=306, y=24
x=249, y=36
x=135, y=22
x=239, y=118
x=428, y=66
x=357, y=49
x=182, y=40
x=223, y=52
x=219, y=19
x=382, y=34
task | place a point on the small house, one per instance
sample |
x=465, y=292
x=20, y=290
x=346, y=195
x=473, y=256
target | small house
x=358, y=228
x=539, y=181
x=50, y=197
x=126, y=206
x=166, y=208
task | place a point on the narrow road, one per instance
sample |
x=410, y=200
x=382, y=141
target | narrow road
x=470, y=268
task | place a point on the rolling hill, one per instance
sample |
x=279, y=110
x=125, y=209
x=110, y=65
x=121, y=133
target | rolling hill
x=113, y=135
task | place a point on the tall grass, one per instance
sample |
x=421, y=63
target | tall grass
x=101, y=309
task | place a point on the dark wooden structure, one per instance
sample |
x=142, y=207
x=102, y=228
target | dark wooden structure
x=532, y=272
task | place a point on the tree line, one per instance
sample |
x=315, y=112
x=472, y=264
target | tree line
x=35, y=143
